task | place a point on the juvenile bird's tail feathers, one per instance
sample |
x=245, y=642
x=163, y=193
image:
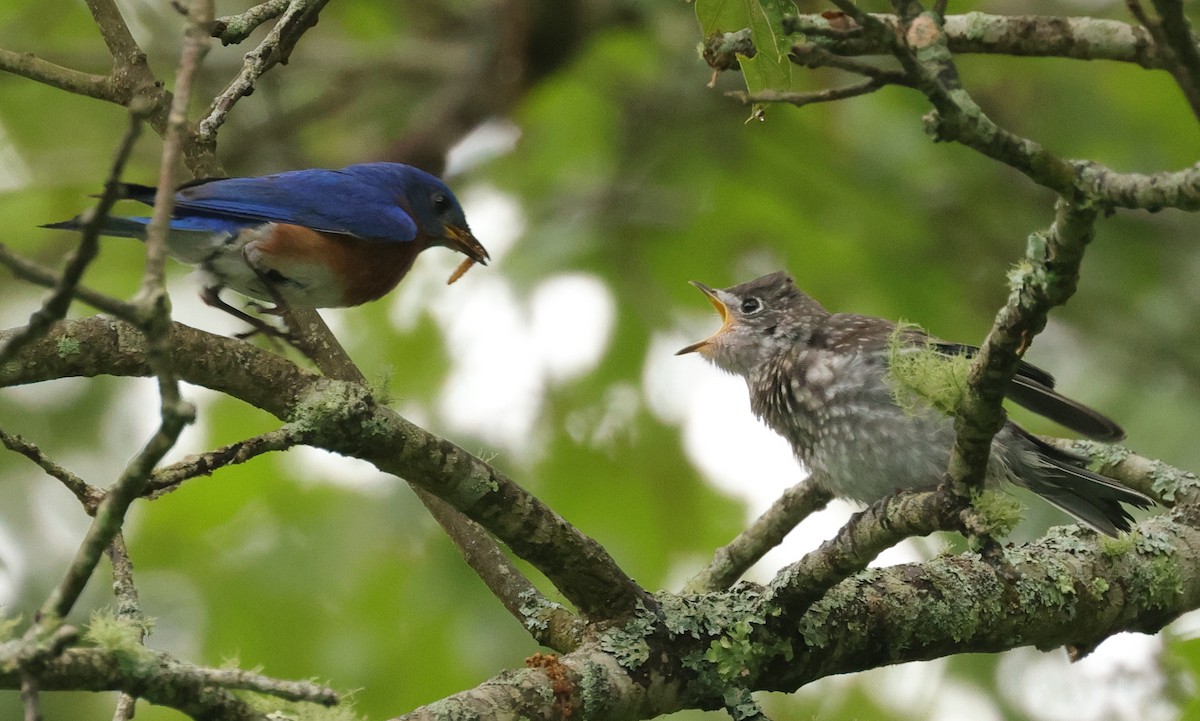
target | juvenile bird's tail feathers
x=1092, y=498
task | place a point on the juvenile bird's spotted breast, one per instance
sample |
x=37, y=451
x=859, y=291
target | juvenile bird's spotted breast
x=823, y=382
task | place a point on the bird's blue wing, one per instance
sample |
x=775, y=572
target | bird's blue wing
x=360, y=200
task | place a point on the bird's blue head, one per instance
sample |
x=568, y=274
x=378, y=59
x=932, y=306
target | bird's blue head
x=437, y=213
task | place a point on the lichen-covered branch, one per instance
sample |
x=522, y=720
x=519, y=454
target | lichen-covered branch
x=925, y=45
x=1167, y=484
x=1046, y=278
x=1071, y=588
x=233, y=29
x=867, y=534
x=548, y=622
x=204, y=694
x=1078, y=38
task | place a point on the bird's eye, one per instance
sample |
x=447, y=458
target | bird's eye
x=751, y=305
x=441, y=202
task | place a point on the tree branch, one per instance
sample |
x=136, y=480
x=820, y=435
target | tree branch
x=1078, y=38
x=1073, y=587
x=59, y=301
x=28, y=65
x=88, y=495
x=202, y=693
x=329, y=414
x=1174, y=33
x=768, y=530
x=1045, y=279
x=299, y=16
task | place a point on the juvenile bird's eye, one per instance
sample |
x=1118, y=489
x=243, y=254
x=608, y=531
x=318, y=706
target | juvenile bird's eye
x=751, y=305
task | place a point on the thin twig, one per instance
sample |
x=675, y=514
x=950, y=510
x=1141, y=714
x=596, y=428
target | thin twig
x=89, y=495
x=867, y=534
x=154, y=309
x=27, y=65
x=1174, y=31
x=59, y=301
x=813, y=56
x=29, y=698
x=43, y=276
x=129, y=609
x=313, y=337
x=275, y=48
x=113, y=28
x=801, y=99
x=167, y=479
x=233, y=29
x=1047, y=278
x=767, y=531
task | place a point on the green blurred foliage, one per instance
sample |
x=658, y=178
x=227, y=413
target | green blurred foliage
x=629, y=169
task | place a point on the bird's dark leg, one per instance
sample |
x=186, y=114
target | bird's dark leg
x=281, y=305
x=211, y=297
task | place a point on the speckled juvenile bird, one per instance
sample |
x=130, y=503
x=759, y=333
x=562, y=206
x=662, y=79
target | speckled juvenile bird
x=822, y=381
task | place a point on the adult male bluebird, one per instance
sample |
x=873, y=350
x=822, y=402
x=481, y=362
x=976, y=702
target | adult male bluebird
x=825, y=382
x=313, y=238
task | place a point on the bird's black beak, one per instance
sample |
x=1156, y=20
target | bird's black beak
x=460, y=239
x=722, y=310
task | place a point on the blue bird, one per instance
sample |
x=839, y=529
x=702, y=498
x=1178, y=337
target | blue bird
x=309, y=238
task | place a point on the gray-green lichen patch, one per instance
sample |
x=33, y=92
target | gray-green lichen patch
x=329, y=404
x=627, y=643
x=1160, y=579
x=278, y=709
x=67, y=347
x=8, y=624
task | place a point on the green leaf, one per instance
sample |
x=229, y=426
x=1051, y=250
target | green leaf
x=770, y=69
x=722, y=16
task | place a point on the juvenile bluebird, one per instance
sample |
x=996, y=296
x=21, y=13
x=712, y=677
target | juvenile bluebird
x=309, y=238
x=825, y=383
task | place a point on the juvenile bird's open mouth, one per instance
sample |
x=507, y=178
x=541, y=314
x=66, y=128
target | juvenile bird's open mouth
x=722, y=310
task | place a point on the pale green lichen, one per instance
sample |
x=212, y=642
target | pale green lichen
x=997, y=512
x=922, y=375
x=594, y=687
x=1119, y=546
x=1159, y=579
x=278, y=709
x=329, y=400
x=627, y=643
x=67, y=347
x=536, y=609
x=122, y=638
x=8, y=625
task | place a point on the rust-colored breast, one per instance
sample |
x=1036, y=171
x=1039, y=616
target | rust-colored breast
x=335, y=270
